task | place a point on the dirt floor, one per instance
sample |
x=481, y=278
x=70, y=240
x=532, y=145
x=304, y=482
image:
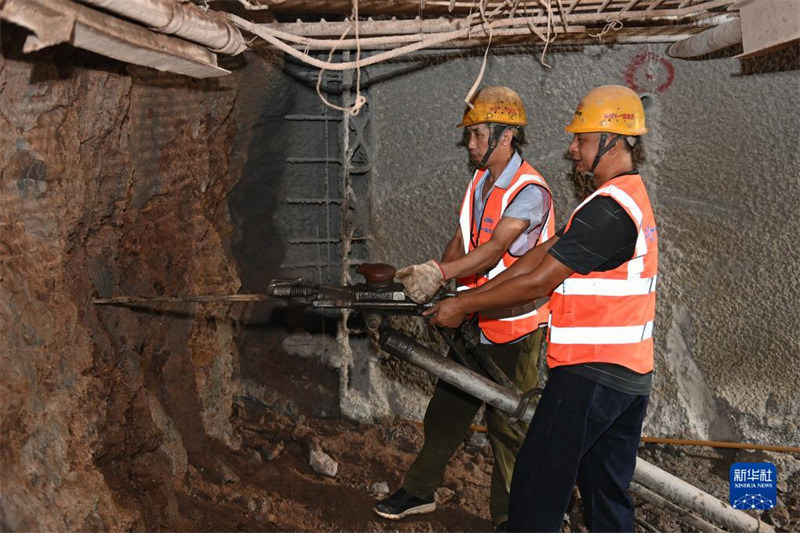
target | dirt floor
x=272, y=487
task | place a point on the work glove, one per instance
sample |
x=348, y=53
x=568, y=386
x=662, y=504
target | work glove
x=421, y=281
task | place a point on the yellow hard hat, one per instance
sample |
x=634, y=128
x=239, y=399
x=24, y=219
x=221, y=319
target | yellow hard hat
x=610, y=109
x=497, y=104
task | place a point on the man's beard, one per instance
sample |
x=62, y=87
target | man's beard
x=581, y=185
x=473, y=164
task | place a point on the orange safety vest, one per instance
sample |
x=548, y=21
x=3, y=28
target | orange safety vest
x=607, y=317
x=476, y=231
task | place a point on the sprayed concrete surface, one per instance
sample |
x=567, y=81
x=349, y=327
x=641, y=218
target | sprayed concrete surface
x=722, y=169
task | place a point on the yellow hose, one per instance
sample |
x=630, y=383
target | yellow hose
x=720, y=444
x=688, y=442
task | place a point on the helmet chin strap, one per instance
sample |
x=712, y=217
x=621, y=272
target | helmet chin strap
x=497, y=131
x=602, y=149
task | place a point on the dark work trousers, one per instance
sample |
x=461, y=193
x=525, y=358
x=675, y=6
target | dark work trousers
x=582, y=431
x=449, y=415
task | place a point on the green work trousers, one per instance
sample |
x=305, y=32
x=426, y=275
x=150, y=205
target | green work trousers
x=448, y=418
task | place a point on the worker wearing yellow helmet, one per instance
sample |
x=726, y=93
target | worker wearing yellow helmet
x=600, y=269
x=612, y=114
x=507, y=209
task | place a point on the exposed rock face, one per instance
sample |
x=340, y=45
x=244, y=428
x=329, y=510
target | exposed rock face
x=113, y=180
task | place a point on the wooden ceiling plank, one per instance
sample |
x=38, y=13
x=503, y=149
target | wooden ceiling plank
x=572, y=6
x=603, y=6
x=629, y=5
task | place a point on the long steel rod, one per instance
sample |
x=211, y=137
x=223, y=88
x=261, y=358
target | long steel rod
x=204, y=298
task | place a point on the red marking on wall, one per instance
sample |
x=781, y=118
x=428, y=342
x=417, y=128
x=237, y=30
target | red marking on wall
x=649, y=72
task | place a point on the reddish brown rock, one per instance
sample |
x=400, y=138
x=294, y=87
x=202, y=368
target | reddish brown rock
x=113, y=180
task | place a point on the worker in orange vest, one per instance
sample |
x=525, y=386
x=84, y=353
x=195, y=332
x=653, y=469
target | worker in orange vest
x=507, y=209
x=601, y=271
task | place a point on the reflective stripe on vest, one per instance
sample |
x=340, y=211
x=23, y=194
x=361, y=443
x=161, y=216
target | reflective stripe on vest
x=465, y=225
x=474, y=233
x=607, y=287
x=607, y=317
x=602, y=335
x=465, y=215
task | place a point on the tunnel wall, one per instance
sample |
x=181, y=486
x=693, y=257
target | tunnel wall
x=114, y=180
x=723, y=161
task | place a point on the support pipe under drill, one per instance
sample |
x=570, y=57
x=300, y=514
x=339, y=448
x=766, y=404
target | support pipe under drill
x=709, y=41
x=180, y=19
x=670, y=487
x=409, y=350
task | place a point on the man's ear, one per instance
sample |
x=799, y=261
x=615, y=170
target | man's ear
x=506, y=137
x=619, y=145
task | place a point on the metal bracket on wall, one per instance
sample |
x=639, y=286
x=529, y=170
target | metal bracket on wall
x=339, y=241
x=336, y=239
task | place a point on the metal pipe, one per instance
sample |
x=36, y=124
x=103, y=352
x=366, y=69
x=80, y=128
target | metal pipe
x=709, y=41
x=665, y=484
x=681, y=514
x=690, y=497
x=57, y=21
x=511, y=38
x=180, y=19
x=405, y=348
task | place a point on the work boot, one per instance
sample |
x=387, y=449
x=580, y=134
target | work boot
x=401, y=504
